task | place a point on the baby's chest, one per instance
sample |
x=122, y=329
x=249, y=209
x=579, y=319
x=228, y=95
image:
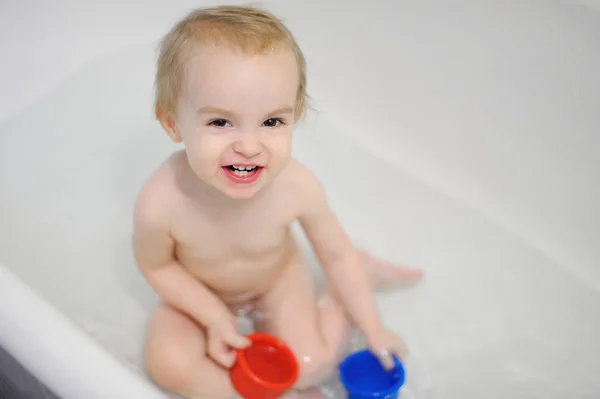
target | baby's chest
x=211, y=241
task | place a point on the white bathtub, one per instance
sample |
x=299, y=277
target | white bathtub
x=473, y=134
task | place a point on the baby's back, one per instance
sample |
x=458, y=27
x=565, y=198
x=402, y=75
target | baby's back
x=235, y=249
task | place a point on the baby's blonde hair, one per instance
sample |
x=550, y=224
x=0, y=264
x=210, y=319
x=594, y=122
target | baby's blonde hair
x=249, y=29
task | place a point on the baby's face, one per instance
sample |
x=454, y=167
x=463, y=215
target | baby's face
x=235, y=117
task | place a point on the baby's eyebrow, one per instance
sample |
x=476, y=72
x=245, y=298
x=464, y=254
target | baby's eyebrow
x=286, y=109
x=214, y=110
x=283, y=110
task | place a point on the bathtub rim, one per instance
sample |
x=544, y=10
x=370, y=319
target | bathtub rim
x=72, y=373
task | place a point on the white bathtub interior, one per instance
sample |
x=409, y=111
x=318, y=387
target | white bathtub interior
x=471, y=134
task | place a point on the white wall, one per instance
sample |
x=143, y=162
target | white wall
x=495, y=102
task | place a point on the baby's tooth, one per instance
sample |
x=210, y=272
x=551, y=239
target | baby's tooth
x=244, y=168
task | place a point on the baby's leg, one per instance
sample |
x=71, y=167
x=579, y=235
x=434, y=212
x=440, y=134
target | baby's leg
x=176, y=357
x=386, y=275
x=317, y=332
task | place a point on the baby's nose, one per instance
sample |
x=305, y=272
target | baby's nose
x=248, y=145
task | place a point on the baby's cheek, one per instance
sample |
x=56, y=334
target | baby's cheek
x=194, y=150
x=283, y=144
x=208, y=151
x=214, y=146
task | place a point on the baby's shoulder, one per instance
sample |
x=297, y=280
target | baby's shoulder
x=301, y=184
x=297, y=177
x=158, y=193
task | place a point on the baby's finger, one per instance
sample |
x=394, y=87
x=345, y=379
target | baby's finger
x=225, y=358
x=218, y=352
x=385, y=358
x=237, y=341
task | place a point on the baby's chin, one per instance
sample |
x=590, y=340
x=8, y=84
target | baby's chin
x=237, y=193
x=236, y=189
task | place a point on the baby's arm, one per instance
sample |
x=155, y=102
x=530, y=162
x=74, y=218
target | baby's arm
x=154, y=253
x=339, y=258
x=154, y=248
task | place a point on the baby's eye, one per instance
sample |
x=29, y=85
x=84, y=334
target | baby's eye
x=219, y=123
x=272, y=122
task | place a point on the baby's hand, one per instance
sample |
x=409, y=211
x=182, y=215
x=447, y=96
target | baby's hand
x=384, y=345
x=223, y=340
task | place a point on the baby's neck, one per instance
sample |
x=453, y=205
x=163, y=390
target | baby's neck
x=209, y=197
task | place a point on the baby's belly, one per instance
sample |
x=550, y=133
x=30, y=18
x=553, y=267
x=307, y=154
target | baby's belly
x=239, y=280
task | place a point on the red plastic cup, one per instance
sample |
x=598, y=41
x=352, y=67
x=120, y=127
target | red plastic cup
x=264, y=370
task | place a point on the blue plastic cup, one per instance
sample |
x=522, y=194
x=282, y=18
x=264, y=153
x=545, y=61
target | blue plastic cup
x=363, y=377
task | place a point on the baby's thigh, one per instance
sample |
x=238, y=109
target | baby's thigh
x=176, y=359
x=290, y=312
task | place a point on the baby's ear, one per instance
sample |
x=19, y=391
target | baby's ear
x=168, y=123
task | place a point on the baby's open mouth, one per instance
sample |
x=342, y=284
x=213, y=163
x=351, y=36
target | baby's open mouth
x=243, y=174
x=242, y=171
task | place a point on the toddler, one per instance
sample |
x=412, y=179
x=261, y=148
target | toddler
x=212, y=223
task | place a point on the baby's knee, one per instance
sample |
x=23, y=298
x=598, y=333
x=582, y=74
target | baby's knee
x=186, y=372
x=315, y=369
x=168, y=366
